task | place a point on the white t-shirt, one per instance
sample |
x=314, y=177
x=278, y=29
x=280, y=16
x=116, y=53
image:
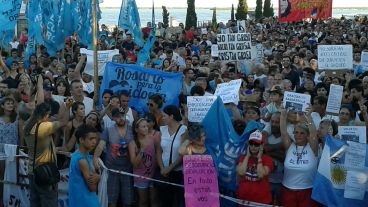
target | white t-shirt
x=166, y=141
x=130, y=116
x=107, y=121
x=89, y=87
x=299, y=171
x=88, y=104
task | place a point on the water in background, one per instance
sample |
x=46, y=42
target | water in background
x=110, y=16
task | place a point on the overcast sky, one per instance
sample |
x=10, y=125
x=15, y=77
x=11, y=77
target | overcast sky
x=222, y=3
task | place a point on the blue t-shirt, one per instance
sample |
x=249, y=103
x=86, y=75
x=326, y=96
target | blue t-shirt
x=79, y=194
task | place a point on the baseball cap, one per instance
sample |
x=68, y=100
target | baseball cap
x=256, y=137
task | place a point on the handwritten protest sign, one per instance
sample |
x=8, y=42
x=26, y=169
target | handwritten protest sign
x=198, y=107
x=335, y=57
x=353, y=133
x=296, y=101
x=355, y=155
x=103, y=57
x=214, y=50
x=204, y=31
x=354, y=187
x=200, y=181
x=258, y=53
x=141, y=83
x=229, y=92
x=235, y=46
x=364, y=59
x=334, y=99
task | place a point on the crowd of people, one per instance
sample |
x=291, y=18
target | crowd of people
x=280, y=161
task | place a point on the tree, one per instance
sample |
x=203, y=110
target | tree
x=232, y=13
x=267, y=9
x=258, y=11
x=191, y=19
x=165, y=17
x=242, y=10
x=214, y=20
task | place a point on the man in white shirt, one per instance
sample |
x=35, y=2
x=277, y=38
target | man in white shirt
x=76, y=90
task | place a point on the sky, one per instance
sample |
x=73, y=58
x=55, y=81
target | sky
x=221, y=3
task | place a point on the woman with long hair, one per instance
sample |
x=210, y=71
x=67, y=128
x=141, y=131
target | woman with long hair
x=154, y=104
x=301, y=161
x=78, y=111
x=142, y=151
x=8, y=122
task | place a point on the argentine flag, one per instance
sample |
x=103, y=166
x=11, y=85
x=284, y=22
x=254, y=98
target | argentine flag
x=342, y=176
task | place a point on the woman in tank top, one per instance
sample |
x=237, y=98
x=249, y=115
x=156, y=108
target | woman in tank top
x=301, y=161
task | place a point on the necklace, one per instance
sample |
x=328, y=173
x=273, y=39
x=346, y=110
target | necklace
x=299, y=156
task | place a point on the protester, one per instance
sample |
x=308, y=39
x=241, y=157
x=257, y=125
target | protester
x=83, y=179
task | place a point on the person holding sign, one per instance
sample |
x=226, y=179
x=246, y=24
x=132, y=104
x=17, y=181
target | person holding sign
x=253, y=170
x=301, y=162
x=194, y=144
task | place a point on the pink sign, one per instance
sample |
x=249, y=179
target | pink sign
x=200, y=181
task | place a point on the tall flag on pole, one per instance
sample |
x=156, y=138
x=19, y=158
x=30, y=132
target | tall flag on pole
x=129, y=19
x=9, y=12
x=144, y=53
x=295, y=10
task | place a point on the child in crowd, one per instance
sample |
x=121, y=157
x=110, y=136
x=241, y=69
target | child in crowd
x=83, y=179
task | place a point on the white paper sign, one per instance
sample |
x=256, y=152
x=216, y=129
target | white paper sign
x=335, y=57
x=334, y=99
x=203, y=30
x=235, y=46
x=103, y=57
x=353, y=133
x=296, y=101
x=259, y=53
x=241, y=25
x=355, y=155
x=198, y=107
x=355, y=185
x=229, y=92
x=364, y=59
x=214, y=50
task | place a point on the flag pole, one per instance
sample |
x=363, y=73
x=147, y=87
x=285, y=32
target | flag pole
x=95, y=61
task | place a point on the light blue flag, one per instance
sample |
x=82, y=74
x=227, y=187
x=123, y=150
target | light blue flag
x=9, y=12
x=141, y=83
x=129, y=19
x=224, y=144
x=144, y=53
x=331, y=182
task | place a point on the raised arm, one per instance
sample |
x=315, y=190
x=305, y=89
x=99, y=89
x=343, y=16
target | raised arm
x=4, y=68
x=312, y=138
x=40, y=96
x=286, y=139
x=78, y=68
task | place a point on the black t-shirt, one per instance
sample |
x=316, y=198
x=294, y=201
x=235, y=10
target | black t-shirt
x=128, y=45
x=12, y=83
x=293, y=76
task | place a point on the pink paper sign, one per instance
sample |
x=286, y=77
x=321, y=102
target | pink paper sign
x=200, y=181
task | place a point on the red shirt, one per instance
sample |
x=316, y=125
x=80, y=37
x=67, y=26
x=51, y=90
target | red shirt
x=251, y=188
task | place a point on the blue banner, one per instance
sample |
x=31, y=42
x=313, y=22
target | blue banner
x=141, y=83
x=144, y=53
x=224, y=144
x=331, y=184
x=9, y=12
x=35, y=23
x=129, y=19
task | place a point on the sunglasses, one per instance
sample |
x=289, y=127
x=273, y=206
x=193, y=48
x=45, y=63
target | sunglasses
x=254, y=144
x=150, y=104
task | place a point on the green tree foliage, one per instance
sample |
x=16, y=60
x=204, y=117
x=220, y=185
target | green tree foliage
x=214, y=20
x=242, y=10
x=258, y=11
x=191, y=19
x=267, y=9
x=232, y=13
x=165, y=17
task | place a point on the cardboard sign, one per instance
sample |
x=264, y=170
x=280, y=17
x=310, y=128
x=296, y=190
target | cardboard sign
x=198, y=107
x=214, y=50
x=335, y=57
x=334, y=99
x=353, y=133
x=200, y=181
x=235, y=46
x=229, y=92
x=296, y=101
x=364, y=59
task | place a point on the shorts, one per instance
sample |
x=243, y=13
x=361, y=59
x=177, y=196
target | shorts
x=143, y=185
x=123, y=185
